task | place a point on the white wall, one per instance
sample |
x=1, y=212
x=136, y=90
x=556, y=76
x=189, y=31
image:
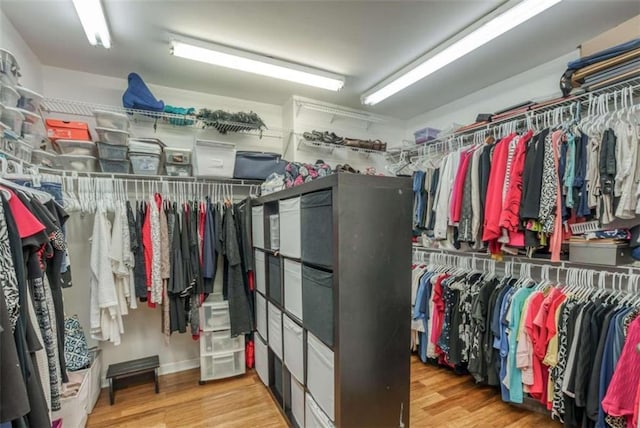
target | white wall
x=30, y=66
x=539, y=83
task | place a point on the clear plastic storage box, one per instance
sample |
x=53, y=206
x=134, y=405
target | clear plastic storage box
x=30, y=116
x=13, y=118
x=43, y=158
x=111, y=120
x=112, y=135
x=115, y=166
x=144, y=163
x=29, y=100
x=75, y=147
x=80, y=163
x=145, y=145
x=114, y=152
x=9, y=96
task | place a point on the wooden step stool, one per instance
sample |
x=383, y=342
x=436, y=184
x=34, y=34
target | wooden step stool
x=132, y=368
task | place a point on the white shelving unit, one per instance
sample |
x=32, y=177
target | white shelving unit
x=221, y=355
x=339, y=113
x=315, y=145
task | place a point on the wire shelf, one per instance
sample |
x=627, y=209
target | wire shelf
x=369, y=118
x=315, y=145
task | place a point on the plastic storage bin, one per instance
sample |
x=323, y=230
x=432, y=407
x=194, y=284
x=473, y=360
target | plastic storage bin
x=112, y=135
x=32, y=133
x=274, y=231
x=23, y=150
x=9, y=96
x=293, y=288
x=66, y=130
x=314, y=416
x=290, y=227
x=115, y=166
x=43, y=158
x=215, y=316
x=144, y=163
x=215, y=159
x=179, y=170
x=317, y=302
x=113, y=152
x=80, y=163
x=425, y=134
x=13, y=118
x=297, y=402
x=262, y=359
x=30, y=117
x=9, y=68
x=29, y=100
x=275, y=279
x=145, y=145
x=221, y=366
x=178, y=162
x=257, y=225
x=261, y=278
x=111, y=120
x=316, y=233
x=274, y=320
x=261, y=315
x=292, y=338
x=320, y=377
x=75, y=147
x=220, y=342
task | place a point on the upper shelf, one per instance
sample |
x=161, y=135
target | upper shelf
x=303, y=142
x=80, y=108
x=335, y=112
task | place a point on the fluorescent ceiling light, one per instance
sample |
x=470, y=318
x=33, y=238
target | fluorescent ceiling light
x=257, y=64
x=93, y=21
x=429, y=64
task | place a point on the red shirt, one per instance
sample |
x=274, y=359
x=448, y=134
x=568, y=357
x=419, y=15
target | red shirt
x=27, y=223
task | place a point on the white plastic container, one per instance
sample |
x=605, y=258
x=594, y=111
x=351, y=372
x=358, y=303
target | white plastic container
x=262, y=359
x=261, y=278
x=257, y=224
x=293, y=288
x=75, y=147
x=13, y=118
x=314, y=416
x=23, y=150
x=214, y=159
x=220, y=342
x=214, y=316
x=293, y=348
x=145, y=146
x=320, y=377
x=9, y=68
x=222, y=366
x=43, y=158
x=112, y=135
x=112, y=152
x=9, y=96
x=30, y=117
x=261, y=315
x=144, y=163
x=290, y=227
x=111, y=120
x=80, y=163
x=274, y=321
x=297, y=402
x=274, y=231
x=115, y=166
x=29, y=100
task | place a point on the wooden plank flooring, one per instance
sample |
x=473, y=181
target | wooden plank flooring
x=439, y=398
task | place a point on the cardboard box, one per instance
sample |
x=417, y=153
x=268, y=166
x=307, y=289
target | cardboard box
x=624, y=32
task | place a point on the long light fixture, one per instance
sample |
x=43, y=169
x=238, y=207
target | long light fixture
x=499, y=23
x=252, y=63
x=93, y=21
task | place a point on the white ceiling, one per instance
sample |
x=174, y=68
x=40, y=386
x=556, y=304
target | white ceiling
x=364, y=40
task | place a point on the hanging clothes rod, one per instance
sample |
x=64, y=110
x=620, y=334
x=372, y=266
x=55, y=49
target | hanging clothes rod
x=446, y=142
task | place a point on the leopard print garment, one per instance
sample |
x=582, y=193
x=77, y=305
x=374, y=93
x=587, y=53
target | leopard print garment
x=8, y=279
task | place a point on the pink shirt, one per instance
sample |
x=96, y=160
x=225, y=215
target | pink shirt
x=458, y=187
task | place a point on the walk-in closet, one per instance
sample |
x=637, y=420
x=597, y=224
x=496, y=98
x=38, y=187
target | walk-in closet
x=316, y=214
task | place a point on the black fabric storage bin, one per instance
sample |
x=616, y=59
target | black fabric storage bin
x=317, y=303
x=316, y=224
x=257, y=165
x=275, y=279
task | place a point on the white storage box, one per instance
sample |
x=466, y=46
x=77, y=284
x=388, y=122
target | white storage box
x=76, y=147
x=257, y=224
x=274, y=231
x=43, y=158
x=261, y=279
x=314, y=416
x=144, y=163
x=219, y=366
x=262, y=359
x=297, y=402
x=220, y=342
x=112, y=135
x=29, y=100
x=293, y=348
x=80, y=163
x=9, y=96
x=261, y=315
x=290, y=227
x=214, y=159
x=320, y=379
x=145, y=146
x=13, y=118
x=293, y=288
x=111, y=120
x=274, y=321
x=215, y=316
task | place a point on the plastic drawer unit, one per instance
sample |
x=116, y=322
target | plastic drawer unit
x=293, y=348
x=320, y=378
x=290, y=227
x=257, y=226
x=220, y=342
x=262, y=359
x=275, y=279
x=261, y=315
x=274, y=320
x=261, y=277
x=317, y=302
x=293, y=288
x=314, y=416
x=215, y=316
x=317, y=228
x=297, y=402
x=218, y=366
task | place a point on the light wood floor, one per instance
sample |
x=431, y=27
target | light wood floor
x=439, y=398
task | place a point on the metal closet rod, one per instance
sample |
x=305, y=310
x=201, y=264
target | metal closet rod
x=512, y=263
x=439, y=144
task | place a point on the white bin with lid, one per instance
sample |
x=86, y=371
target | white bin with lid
x=214, y=159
